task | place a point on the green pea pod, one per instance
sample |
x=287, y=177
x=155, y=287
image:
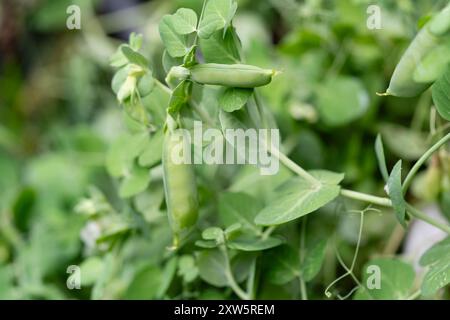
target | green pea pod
x=231, y=75
x=440, y=24
x=402, y=82
x=180, y=188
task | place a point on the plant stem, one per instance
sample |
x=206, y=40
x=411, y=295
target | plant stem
x=231, y=281
x=251, y=280
x=202, y=114
x=163, y=86
x=414, y=295
x=385, y=202
x=268, y=232
x=394, y=241
x=303, y=291
x=422, y=160
x=422, y=216
x=293, y=166
x=381, y=201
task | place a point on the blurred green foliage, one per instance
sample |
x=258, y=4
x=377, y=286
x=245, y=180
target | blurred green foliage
x=59, y=121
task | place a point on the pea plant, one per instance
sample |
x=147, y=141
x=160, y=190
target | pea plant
x=235, y=233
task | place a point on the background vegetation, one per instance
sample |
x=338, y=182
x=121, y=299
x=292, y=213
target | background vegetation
x=60, y=123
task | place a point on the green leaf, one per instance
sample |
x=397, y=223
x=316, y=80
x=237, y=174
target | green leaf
x=434, y=64
x=118, y=59
x=135, y=41
x=247, y=243
x=184, y=21
x=187, y=268
x=168, y=61
x=232, y=230
x=239, y=208
x=233, y=99
x=396, y=279
x=22, y=209
x=7, y=282
x=176, y=44
x=445, y=202
x=379, y=151
x=440, y=24
x=146, y=84
x=297, y=197
x=394, y=185
x=118, y=79
x=282, y=265
x=168, y=274
x=152, y=150
x=437, y=259
x=145, y=284
x=114, y=227
x=441, y=97
x=179, y=97
x=212, y=267
x=341, y=100
x=120, y=156
x=206, y=244
x=313, y=260
x=134, y=56
x=90, y=270
x=404, y=142
x=241, y=264
x=217, y=15
x=134, y=183
x=213, y=233
x=219, y=49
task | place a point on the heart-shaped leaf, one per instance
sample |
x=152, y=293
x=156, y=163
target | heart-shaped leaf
x=233, y=99
x=184, y=21
x=176, y=44
x=217, y=15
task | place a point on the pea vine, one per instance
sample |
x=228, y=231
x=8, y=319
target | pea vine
x=207, y=80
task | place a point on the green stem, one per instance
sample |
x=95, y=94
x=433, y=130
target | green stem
x=268, y=232
x=422, y=216
x=251, y=280
x=163, y=87
x=293, y=166
x=381, y=201
x=230, y=277
x=385, y=202
x=304, y=293
x=414, y=295
x=422, y=160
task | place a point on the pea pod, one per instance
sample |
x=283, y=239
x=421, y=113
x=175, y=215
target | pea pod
x=231, y=75
x=402, y=82
x=441, y=23
x=180, y=189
